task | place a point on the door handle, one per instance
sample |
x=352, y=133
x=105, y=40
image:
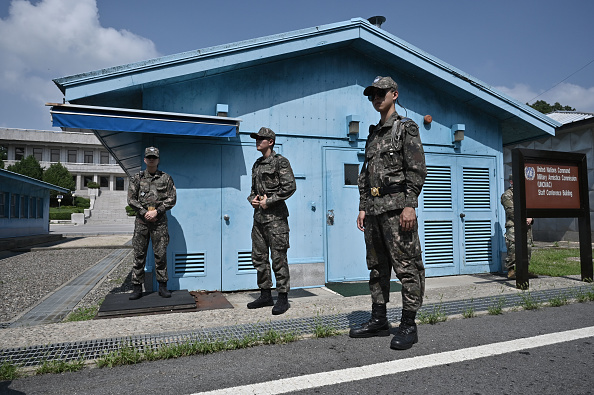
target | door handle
x=226, y=217
x=462, y=215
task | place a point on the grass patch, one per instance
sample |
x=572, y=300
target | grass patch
x=83, y=314
x=60, y=367
x=9, y=371
x=554, y=262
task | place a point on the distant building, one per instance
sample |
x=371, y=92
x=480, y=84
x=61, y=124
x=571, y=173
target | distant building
x=575, y=135
x=80, y=152
x=24, y=205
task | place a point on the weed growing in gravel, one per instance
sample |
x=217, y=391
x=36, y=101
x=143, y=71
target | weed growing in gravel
x=496, y=307
x=583, y=296
x=60, y=366
x=433, y=317
x=129, y=355
x=469, y=311
x=528, y=301
x=559, y=300
x=273, y=337
x=9, y=371
x=321, y=329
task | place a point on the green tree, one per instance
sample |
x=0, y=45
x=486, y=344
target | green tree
x=28, y=166
x=3, y=156
x=545, y=108
x=59, y=175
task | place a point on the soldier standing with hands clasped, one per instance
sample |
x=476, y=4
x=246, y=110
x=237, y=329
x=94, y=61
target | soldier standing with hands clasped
x=390, y=182
x=272, y=183
x=151, y=194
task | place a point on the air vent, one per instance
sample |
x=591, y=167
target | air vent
x=477, y=241
x=477, y=193
x=244, y=262
x=439, y=244
x=190, y=264
x=437, y=190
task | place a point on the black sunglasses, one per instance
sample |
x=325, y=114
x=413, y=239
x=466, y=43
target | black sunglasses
x=381, y=93
x=152, y=157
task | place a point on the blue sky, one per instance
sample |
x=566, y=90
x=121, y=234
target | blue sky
x=522, y=47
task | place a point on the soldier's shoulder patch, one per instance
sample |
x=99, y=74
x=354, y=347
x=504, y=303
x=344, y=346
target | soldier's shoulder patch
x=411, y=128
x=283, y=162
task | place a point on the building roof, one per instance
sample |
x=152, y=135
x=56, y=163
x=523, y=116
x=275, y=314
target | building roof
x=32, y=181
x=518, y=122
x=566, y=117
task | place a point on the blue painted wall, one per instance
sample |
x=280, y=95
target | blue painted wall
x=306, y=101
x=27, y=220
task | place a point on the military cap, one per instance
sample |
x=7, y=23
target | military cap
x=381, y=83
x=151, y=151
x=264, y=132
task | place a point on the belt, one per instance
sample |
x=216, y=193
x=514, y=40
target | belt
x=381, y=191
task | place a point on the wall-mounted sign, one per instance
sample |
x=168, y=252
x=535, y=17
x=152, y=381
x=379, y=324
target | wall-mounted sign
x=551, y=186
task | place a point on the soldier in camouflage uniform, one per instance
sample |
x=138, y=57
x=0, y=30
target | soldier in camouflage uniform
x=507, y=201
x=272, y=183
x=151, y=194
x=390, y=182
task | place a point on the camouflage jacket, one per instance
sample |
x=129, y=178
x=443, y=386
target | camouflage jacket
x=274, y=178
x=507, y=201
x=148, y=190
x=393, y=156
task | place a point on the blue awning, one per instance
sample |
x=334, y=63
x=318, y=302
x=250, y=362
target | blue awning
x=78, y=117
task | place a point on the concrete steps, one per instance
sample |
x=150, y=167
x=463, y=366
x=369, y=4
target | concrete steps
x=110, y=208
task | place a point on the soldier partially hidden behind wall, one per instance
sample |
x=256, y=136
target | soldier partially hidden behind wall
x=390, y=182
x=507, y=201
x=151, y=194
x=272, y=183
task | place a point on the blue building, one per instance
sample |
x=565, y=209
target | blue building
x=199, y=107
x=24, y=205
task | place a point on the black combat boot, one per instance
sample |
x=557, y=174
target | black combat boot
x=136, y=292
x=406, y=334
x=264, y=300
x=163, y=292
x=282, y=304
x=378, y=325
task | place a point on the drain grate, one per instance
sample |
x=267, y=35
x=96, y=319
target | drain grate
x=94, y=349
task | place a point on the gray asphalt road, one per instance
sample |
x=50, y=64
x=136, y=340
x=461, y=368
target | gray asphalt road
x=560, y=367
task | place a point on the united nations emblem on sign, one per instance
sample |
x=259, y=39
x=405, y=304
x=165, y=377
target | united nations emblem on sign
x=529, y=173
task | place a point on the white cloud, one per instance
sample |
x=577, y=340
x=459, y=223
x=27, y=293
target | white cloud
x=51, y=39
x=578, y=97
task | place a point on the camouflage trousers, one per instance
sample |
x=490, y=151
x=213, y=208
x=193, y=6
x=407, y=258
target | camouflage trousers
x=159, y=235
x=273, y=236
x=388, y=248
x=510, y=243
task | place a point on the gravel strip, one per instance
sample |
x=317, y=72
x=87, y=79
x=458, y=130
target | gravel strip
x=27, y=278
x=119, y=280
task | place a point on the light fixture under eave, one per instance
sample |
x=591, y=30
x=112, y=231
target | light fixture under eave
x=222, y=110
x=458, y=132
